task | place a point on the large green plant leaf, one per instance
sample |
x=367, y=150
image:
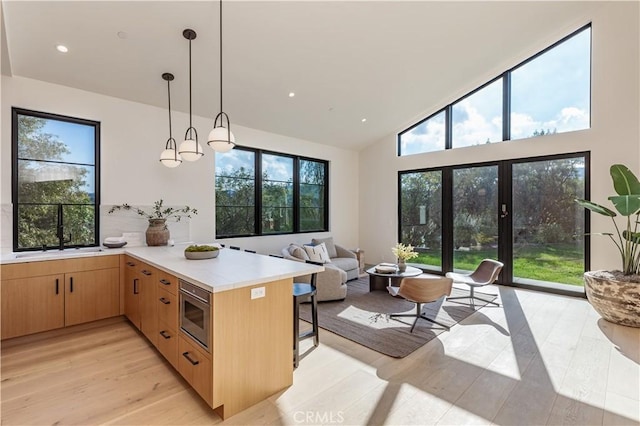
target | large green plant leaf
x=626, y=204
x=624, y=181
x=597, y=208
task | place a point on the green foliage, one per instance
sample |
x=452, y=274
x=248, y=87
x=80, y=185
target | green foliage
x=159, y=211
x=201, y=248
x=627, y=204
x=38, y=198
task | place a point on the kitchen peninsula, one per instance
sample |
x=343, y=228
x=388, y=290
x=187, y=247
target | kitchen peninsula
x=248, y=355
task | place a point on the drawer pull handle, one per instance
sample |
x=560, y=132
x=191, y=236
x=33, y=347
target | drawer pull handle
x=165, y=335
x=131, y=264
x=147, y=273
x=192, y=361
x=165, y=301
x=165, y=282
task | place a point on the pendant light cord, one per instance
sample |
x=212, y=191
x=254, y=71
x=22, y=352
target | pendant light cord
x=190, y=122
x=220, y=55
x=169, y=96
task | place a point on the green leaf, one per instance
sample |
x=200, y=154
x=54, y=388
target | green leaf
x=634, y=237
x=597, y=208
x=626, y=204
x=624, y=181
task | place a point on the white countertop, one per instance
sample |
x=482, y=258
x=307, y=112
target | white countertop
x=231, y=269
x=37, y=256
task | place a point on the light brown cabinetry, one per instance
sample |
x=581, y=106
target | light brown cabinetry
x=195, y=366
x=149, y=303
x=91, y=295
x=32, y=305
x=132, y=291
x=40, y=296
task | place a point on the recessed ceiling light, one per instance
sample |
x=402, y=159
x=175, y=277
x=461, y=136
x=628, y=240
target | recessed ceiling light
x=291, y=94
x=122, y=34
x=62, y=48
x=363, y=120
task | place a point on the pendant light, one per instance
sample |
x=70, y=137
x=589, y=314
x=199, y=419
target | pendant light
x=190, y=149
x=220, y=138
x=170, y=157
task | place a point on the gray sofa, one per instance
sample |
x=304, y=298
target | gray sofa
x=341, y=257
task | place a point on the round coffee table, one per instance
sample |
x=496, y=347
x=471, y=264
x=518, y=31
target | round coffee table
x=380, y=281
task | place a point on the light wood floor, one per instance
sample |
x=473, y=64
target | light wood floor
x=542, y=359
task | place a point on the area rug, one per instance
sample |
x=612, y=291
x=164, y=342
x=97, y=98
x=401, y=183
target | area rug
x=363, y=317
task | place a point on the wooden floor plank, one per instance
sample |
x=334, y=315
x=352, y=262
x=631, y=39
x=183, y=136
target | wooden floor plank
x=537, y=359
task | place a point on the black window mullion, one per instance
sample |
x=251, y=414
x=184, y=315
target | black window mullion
x=447, y=219
x=296, y=195
x=506, y=106
x=448, y=127
x=505, y=221
x=258, y=185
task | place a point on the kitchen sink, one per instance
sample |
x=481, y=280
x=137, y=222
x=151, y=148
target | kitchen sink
x=55, y=253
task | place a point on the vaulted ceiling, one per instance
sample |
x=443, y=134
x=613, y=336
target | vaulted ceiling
x=387, y=61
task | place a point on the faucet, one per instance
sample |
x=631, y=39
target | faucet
x=60, y=229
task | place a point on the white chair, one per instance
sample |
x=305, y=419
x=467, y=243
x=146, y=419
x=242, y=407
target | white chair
x=486, y=273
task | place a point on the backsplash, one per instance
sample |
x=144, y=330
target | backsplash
x=111, y=225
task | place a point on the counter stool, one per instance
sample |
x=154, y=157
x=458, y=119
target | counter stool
x=301, y=292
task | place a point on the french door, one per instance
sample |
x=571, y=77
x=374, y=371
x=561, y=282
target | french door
x=521, y=212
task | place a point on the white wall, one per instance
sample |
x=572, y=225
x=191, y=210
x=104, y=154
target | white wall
x=132, y=137
x=614, y=136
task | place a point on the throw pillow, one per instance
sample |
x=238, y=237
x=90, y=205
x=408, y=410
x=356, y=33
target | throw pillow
x=331, y=247
x=318, y=253
x=298, y=252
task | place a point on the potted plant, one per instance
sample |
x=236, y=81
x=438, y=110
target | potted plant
x=615, y=295
x=157, y=233
x=403, y=253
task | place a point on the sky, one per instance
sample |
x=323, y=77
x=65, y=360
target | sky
x=550, y=92
x=277, y=167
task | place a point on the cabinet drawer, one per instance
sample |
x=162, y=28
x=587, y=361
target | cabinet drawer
x=195, y=367
x=167, y=308
x=167, y=282
x=168, y=343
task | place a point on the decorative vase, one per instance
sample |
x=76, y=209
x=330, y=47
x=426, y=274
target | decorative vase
x=401, y=266
x=157, y=232
x=616, y=301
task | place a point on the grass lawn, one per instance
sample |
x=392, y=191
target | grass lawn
x=553, y=263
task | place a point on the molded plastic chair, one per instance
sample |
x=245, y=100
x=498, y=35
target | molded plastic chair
x=419, y=290
x=486, y=273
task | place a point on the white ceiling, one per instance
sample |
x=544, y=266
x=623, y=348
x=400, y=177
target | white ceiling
x=390, y=62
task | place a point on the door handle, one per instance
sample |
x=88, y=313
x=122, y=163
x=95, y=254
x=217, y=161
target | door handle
x=70, y=284
x=57, y=286
x=135, y=286
x=504, y=213
x=191, y=360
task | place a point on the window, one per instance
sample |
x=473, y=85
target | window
x=55, y=181
x=288, y=194
x=551, y=93
x=236, y=192
x=477, y=119
x=426, y=136
x=277, y=194
x=548, y=93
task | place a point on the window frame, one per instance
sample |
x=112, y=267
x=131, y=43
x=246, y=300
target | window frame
x=506, y=96
x=258, y=182
x=15, y=112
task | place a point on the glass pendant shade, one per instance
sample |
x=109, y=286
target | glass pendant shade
x=190, y=150
x=221, y=139
x=170, y=158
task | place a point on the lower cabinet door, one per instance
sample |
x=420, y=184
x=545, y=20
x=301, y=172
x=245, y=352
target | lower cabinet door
x=168, y=343
x=91, y=295
x=195, y=367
